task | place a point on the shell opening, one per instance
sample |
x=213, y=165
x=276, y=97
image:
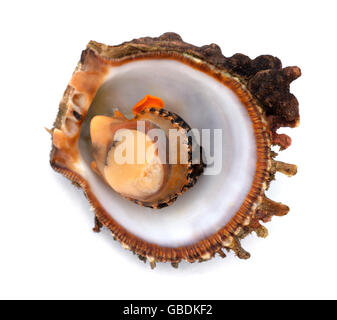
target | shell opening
x=203, y=102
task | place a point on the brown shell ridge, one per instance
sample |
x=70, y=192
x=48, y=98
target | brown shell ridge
x=272, y=106
x=264, y=76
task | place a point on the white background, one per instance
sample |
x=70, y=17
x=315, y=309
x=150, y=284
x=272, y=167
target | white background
x=47, y=248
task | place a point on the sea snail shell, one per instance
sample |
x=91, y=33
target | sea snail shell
x=247, y=99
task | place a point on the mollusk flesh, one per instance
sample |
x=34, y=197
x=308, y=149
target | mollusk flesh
x=153, y=182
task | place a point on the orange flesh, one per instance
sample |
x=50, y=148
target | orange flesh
x=148, y=101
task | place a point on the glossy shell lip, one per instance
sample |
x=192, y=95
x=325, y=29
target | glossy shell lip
x=90, y=74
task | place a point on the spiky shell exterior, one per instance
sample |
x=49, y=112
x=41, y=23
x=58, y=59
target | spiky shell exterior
x=261, y=84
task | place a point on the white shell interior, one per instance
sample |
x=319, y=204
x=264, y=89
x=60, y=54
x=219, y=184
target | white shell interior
x=202, y=102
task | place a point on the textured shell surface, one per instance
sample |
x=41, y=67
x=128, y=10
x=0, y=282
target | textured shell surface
x=246, y=100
